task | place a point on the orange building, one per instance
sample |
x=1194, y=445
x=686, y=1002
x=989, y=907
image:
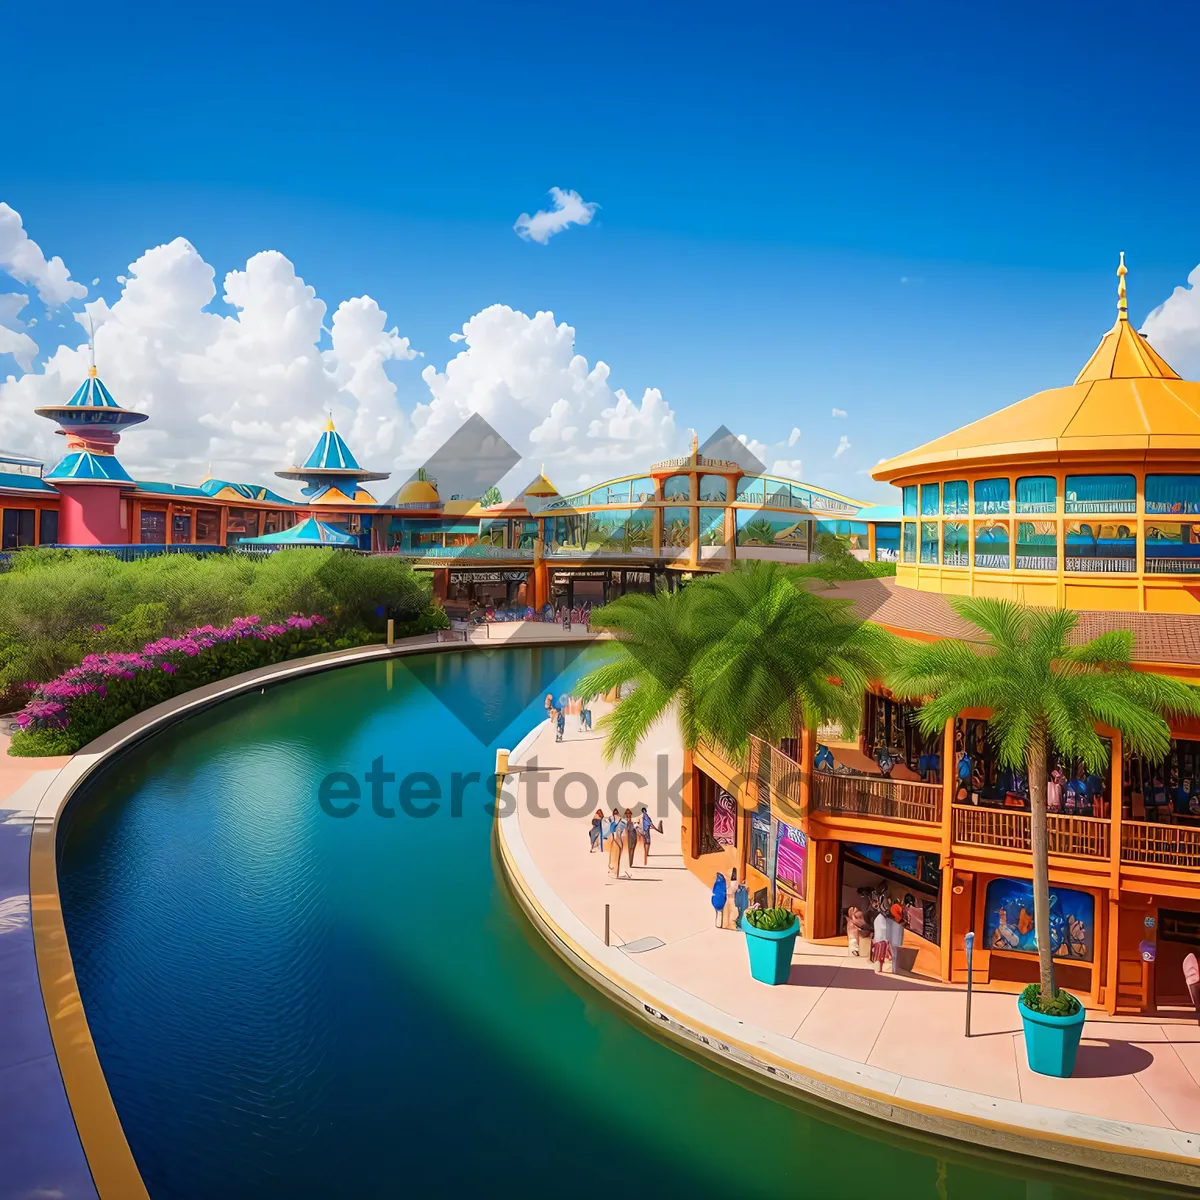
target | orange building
x=1085, y=497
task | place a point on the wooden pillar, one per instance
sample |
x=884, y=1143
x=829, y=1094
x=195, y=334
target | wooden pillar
x=169, y=534
x=1115, y=816
x=224, y=531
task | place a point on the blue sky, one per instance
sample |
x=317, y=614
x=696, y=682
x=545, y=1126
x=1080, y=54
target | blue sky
x=911, y=213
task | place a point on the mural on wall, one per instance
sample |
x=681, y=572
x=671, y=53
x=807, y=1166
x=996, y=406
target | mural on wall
x=1008, y=920
x=791, y=858
x=771, y=529
x=725, y=819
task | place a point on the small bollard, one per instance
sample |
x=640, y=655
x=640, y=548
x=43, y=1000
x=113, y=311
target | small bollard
x=606, y=924
x=391, y=632
x=969, y=942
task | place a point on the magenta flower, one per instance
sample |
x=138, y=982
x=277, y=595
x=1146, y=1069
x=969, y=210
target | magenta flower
x=170, y=668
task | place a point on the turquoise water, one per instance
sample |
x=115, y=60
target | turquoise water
x=279, y=1002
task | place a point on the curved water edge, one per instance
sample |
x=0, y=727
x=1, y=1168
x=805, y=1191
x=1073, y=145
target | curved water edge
x=284, y=1003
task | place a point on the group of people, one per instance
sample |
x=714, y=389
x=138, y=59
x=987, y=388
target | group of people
x=883, y=927
x=557, y=710
x=622, y=833
x=729, y=900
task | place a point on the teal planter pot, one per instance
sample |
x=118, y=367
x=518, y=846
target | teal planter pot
x=1051, y=1042
x=770, y=951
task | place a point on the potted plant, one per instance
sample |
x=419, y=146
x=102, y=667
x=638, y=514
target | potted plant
x=1052, y=1030
x=770, y=939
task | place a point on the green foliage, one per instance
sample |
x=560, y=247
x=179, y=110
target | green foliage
x=770, y=920
x=92, y=715
x=1062, y=1005
x=490, y=497
x=752, y=651
x=58, y=605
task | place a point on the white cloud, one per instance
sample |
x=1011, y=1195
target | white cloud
x=842, y=446
x=839, y=412
x=569, y=209
x=757, y=448
x=23, y=259
x=13, y=338
x=1173, y=328
x=789, y=468
x=248, y=392
x=793, y=437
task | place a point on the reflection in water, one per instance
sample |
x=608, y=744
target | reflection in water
x=287, y=1004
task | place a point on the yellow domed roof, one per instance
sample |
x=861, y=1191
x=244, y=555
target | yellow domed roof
x=1127, y=399
x=418, y=491
x=541, y=486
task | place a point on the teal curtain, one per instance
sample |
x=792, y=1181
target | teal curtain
x=1037, y=493
x=929, y=500
x=991, y=496
x=1101, y=493
x=910, y=501
x=954, y=501
x=1173, y=493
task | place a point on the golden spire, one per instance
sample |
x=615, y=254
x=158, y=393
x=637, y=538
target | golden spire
x=695, y=446
x=1122, y=303
x=329, y=424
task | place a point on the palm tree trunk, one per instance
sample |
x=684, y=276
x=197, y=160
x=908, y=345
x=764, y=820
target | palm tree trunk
x=1035, y=761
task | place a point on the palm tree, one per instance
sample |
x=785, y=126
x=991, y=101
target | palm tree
x=750, y=652
x=1045, y=691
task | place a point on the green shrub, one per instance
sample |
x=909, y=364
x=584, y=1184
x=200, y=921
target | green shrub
x=770, y=920
x=56, y=606
x=1062, y=1005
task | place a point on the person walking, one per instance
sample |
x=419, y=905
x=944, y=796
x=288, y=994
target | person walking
x=881, y=947
x=616, y=844
x=560, y=724
x=741, y=899
x=647, y=827
x=549, y=705
x=719, y=896
x=596, y=833
x=895, y=935
x=631, y=834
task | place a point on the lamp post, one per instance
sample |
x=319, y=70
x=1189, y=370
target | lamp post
x=969, y=942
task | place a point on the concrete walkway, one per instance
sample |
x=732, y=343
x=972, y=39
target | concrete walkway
x=1136, y=1081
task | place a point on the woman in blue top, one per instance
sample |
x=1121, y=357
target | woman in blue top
x=719, y=897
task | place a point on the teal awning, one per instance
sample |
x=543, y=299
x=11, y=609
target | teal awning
x=310, y=532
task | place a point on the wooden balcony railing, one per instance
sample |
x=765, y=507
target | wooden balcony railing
x=874, y=796
x=1008, y=829
x=1163, y=845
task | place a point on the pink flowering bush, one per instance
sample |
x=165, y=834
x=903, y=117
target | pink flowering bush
x=105, y=689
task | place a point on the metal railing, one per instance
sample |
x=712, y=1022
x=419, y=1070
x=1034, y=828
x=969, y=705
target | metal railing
x=1160, y=844
x=1009, y=829
x=874, y=796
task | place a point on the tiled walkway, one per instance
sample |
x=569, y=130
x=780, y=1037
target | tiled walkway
x=1139, y=1071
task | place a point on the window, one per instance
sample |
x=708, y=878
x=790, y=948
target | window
x=677, y=528
x=712, y=527
x=955, y=550
x=154, y=527
x=1173, y=494
x=713, y=487
x=526, y=532
x=887, y=543
x=1172, y=548
x=1037, y=494
x=778, y=495
x=208, y=526
x=1100, y=494
x=910, y=542
x=678, y=487
x=930, y=506
x=929, y=542
x=18, y=527
x=954, y=499
x=991, y=545
x=991, y=497
x=643, y=489
x=607, y=531
x=599, y=496
x=803, y=498
x=910, y=501
x=494, y=532
x=1100, y=546
x=48, y=531
x=771, y=529
x=181, y=527
x=750, y=489
x=618, y=493
x=239, y=523
x=1037, y=544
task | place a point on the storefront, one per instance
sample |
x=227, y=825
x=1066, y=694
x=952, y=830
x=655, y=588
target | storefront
x=497, y=590
x=891, y=734
x=591, y=587
x=1168, y=791
x=874, y=878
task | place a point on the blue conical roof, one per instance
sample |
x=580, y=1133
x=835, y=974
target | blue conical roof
x=331, y=453
x=92, y=394
x=309, y=532
x=84, y=466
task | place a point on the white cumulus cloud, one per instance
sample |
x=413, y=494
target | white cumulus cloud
x=793, y=437
x=839, y=412
x=13, y=338
x=789, y=468
x=842, y=446
x=23, y=259
x=570, y=208
x=1173, y=328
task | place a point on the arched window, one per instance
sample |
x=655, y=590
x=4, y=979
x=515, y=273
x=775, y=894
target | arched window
x=713, y=487
x=678, y=487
